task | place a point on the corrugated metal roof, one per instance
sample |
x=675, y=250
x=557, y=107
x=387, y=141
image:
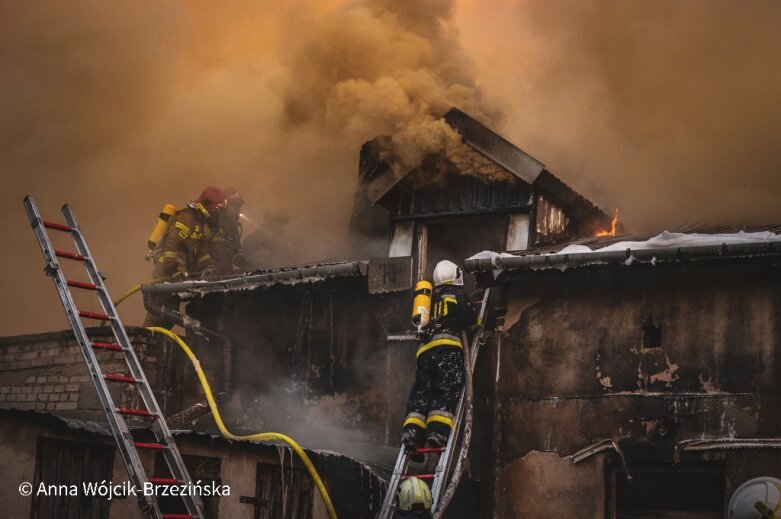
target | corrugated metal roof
x=595, y=242
x=652, y=249
x=50, y=419
x=90, y=426
x=265, y=278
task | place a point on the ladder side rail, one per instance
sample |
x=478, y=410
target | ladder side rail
x=446, y=458
x=118, y=426
x=443, y=464
x=172, y=456
x=390, y=495
x=115, y=322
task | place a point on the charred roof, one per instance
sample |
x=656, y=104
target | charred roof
x=489, y=174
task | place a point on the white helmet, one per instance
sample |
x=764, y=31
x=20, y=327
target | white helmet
x=447, y=273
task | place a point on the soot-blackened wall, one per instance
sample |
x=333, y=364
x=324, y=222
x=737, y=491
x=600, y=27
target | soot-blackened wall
x=648, y=356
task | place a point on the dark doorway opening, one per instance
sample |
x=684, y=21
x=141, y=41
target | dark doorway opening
x=457, y=238
x=652, y=336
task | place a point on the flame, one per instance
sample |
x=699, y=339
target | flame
x=612, y=231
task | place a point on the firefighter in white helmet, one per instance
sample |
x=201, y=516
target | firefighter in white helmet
x=414, y=499
x=440, y=366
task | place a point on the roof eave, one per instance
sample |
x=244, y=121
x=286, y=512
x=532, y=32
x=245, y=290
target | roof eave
x=251, y=280
x=501, y=264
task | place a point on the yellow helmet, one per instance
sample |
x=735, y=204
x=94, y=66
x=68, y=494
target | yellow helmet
x=414, y=494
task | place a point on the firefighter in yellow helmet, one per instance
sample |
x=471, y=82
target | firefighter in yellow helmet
x=184, y=250
x=439, y=377
x=414, y=499
x=226, y=243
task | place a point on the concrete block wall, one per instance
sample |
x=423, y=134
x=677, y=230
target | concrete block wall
x=47, y=372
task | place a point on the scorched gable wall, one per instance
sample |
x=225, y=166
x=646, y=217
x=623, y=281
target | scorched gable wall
x=573, y=370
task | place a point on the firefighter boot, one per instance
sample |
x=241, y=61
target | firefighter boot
x=412, y=437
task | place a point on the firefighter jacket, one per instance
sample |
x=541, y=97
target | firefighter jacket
x=225, y=245
x=450, y=314
x=185, y=247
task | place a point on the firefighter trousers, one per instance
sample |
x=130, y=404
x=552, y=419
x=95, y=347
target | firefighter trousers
x=434, y=397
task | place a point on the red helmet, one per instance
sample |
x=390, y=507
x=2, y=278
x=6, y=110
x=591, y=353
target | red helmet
x=212, y=198
x=233, y=196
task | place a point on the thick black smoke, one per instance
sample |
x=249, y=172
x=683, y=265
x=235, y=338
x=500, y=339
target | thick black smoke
x=668, y=110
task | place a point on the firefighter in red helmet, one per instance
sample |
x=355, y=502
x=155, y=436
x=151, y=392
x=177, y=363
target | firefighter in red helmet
x=184, y=250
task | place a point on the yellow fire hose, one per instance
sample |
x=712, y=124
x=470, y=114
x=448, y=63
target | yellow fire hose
x=252, y=437
x=127, y=294
x=136, y=288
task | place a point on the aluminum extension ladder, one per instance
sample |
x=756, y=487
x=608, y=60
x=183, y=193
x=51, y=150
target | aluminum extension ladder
x=128, y=447
x=440, y=476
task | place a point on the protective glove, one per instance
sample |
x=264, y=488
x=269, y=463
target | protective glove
x=174, y=269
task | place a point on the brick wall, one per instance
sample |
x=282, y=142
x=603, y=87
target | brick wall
x=47, y=372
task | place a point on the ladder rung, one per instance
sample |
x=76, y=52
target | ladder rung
x=134, y=412
x=149, y=409
x=151, y=446
x=419, y=476
x=94, y=315
x=107, y=346
x=81, y=284
x=120, y=378
x=68, y=255
x=163, y=481
x=425, y=450
x=58, y=226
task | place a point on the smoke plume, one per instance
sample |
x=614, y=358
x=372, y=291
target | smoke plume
x=121, y=108
x=668, y=110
